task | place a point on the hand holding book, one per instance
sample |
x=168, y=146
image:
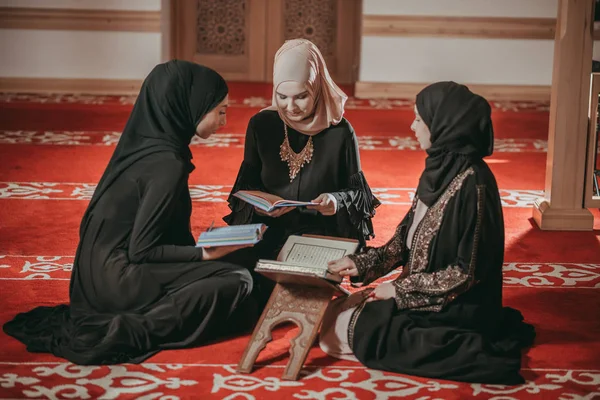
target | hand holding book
x=276, y=213
x=215, y=253
x=325, y=204
x=218, y=242
x=274, y=206
x=304, y=260
x=237, y=236
x=269, y=202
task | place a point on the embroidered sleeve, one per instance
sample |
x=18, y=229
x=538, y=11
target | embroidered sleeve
x=431, y=291
x=376, y=262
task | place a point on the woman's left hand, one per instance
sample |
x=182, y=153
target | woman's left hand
x=383, y=292
x=323, y=204
x=215, y=253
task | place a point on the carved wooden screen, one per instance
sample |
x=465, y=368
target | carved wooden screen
x=226, y=35
x=239, y=38
x=333, y=25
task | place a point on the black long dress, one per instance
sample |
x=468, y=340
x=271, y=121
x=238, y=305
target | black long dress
x=139, y=284
x=334, y=168
x=447, y=320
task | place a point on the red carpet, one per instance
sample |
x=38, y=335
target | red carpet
x=53, y=150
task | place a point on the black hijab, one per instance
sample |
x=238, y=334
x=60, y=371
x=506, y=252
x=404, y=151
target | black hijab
x=461, y=135
x=174, y=98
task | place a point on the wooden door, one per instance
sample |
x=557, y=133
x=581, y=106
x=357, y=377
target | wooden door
x=332, y=25
x=226, y=35
x=239, y=38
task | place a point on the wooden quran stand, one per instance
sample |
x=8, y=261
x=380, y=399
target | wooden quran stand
x=303, y=305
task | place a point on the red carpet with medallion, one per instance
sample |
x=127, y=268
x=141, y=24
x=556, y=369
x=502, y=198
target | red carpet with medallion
x=53, y=150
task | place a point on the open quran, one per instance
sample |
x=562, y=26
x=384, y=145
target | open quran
x=304, y=259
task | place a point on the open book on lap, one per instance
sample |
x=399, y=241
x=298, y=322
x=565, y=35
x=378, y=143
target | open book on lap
x=266, y=201
x=236, y=235
x=304, y=260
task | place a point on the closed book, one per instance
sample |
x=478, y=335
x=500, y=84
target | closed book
x=236, y=235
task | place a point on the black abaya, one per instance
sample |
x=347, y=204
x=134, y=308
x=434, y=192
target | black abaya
x=447, y=320
x=139, y=284
x=334, y=168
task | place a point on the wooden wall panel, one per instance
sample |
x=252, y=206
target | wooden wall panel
x=75, y=85
x=473, y=27
x=403, y=90
x=79, y=20
x=213, y=33
x=332, y=25
x=226, y=35
x=465, y=27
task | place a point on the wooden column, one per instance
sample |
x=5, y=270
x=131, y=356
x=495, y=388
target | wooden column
x=562, y=207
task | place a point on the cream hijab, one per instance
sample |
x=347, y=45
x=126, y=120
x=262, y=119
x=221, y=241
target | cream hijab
x=299, y=60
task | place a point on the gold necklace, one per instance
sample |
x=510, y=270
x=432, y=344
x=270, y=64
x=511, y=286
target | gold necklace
x=295, y=161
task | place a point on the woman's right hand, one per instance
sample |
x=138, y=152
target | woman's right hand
x=214, y=253
x=343, y=267
x=278, y=212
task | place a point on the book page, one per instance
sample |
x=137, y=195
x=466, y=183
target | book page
x=311, y=255
x=270, y=198
x=234, y=231
x=293, y=203
x=288, y=267
x=315, y=252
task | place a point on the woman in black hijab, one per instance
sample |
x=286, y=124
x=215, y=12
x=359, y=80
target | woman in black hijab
x=443, y=316
x=139, y=284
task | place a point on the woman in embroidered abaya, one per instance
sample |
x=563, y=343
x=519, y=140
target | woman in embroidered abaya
x=443, y=316
x=301, y=148
x=139, y=284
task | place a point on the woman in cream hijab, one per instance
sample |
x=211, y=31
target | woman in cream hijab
x=302, y=148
